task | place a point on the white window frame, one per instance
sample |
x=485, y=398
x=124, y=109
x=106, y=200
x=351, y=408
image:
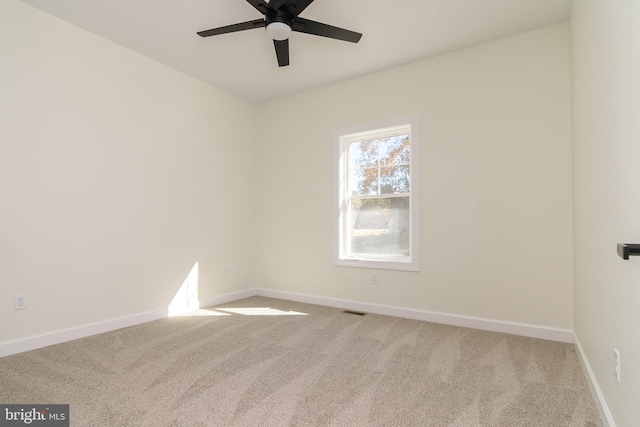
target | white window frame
x=342, y=139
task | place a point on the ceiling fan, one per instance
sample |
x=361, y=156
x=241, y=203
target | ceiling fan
x=280, y=19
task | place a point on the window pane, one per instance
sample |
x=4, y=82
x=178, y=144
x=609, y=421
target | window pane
x=380, y=226
x=363, y=154
x=394, y=150
x=363, y=182
x=394, y=179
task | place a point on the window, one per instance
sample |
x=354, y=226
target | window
x=376, y=222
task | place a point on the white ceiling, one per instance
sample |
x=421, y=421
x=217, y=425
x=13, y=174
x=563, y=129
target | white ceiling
x=244, y=63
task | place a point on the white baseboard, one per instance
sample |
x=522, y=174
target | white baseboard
x=223, y=299
x=598, y=397
x=522, y=329
x=37, y=341
x=43, y=340
x=8, y=348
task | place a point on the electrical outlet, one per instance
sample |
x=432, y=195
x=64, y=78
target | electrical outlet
x=225, y=272
x=19, y=301
x=616, y=364
x=374, y=279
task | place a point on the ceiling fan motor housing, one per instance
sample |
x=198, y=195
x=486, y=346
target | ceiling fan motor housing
x=278, y=16
x=278, y=25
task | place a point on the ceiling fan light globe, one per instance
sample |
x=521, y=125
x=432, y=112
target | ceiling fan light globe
x=278, y=31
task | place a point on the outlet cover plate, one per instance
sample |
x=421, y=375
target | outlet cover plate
x=19, y=301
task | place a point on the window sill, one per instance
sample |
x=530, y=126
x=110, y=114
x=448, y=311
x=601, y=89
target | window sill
x=381, y=265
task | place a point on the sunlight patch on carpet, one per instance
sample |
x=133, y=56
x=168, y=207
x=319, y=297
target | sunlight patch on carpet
x=261, y=311
x=204, y=312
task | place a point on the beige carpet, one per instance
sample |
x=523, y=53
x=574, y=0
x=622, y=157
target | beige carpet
x=268, y=362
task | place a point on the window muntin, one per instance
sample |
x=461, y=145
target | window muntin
x=377, y=215
x=379, y=166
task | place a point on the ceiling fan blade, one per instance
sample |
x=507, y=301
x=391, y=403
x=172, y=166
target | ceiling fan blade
x=256, y=23
x=293, y=8
x=282, y=52
x=262, y=6
x=302, y=25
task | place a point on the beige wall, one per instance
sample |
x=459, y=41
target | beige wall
x=495, y=190
x=117, y=175
x=606, y=128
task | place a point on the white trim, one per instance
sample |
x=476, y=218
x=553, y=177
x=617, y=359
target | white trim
x=223, y=299
x=598, y=397
x=554, y=334
x=8, y=348
x=43, y=340
x=522, y=329
x=339, y=183
x=376, y=265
